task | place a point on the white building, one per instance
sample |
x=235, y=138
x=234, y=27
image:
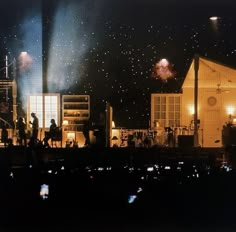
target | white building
x=216, y=103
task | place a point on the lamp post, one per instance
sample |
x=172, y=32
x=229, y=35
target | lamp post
x=196, y=67
x=213, y=19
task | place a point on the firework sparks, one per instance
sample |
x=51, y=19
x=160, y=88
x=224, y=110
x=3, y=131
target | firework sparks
x=163, y=70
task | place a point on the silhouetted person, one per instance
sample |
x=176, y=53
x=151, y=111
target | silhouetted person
x=170, y=137
x=86, y=128
x=22, y=135
x=130, y=141
x=4, y=135
x=147, y=142
x=35, y=129
x=53, y=130
x=100, y=133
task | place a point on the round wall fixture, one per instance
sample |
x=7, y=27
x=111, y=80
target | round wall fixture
x=211, y=101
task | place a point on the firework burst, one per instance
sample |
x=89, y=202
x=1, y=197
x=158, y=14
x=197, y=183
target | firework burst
x=163, y=70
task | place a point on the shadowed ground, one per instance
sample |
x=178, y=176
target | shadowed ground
x=92, y=189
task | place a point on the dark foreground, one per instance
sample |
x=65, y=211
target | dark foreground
x=116, y=190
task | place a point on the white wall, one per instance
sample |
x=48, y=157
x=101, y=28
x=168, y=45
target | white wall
x=212, y=112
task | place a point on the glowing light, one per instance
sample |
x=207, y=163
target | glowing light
x=71, y=135
x=44, y=191
x=132, y=198
x=25, y=61
x=214, y=22
x=139, y=190
x=150, y=169
x=65, y=123
x=11, y=175
x=214, y=18
x=191, y=109
x=163, y=70
x=230, y=110
x=24, y=54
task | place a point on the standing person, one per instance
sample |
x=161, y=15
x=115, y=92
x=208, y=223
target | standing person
x=170, y=137
x=22, y=135
x=100, y=133
x=4, y=135
x=86, y=128
x=35, y=129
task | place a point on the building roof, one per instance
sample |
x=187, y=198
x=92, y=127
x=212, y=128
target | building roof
x=211, y=75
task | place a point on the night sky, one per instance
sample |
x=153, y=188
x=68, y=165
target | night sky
x=109, y=48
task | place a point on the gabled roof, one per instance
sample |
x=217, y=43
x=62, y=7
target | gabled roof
x=211, y=75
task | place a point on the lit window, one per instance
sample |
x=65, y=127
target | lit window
x=167, y=110
x=46, y=107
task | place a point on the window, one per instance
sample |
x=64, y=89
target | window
x=46, y=107
x=51, y=103
x=36, y=106
x=167, y=109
